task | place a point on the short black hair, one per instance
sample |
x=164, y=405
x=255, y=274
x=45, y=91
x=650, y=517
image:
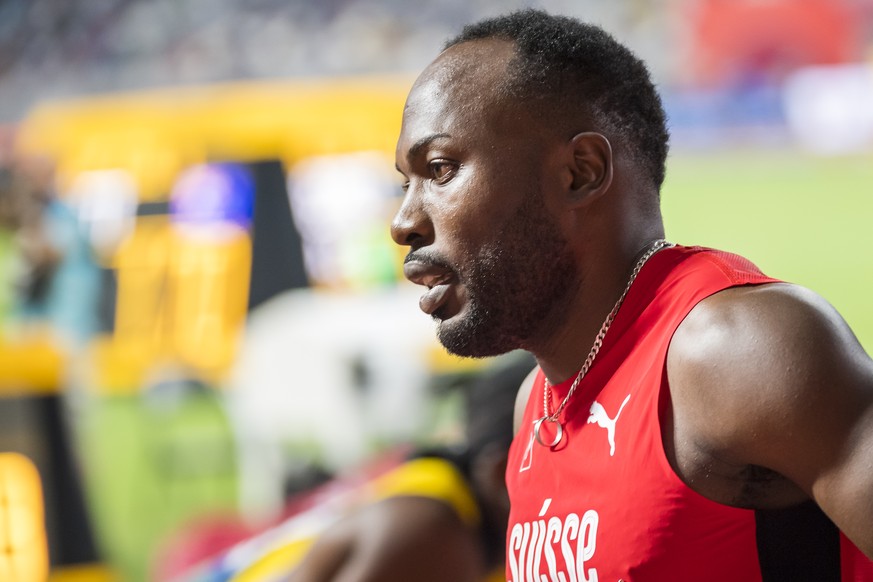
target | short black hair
x=581, y=66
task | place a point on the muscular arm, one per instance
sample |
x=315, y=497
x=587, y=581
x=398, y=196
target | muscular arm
x=395, y=540
x=771, y=378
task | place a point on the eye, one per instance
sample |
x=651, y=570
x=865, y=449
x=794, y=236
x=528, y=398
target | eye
x=404, y=184
x=441, y=170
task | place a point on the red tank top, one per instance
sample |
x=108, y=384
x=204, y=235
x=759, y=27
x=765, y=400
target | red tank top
x=605, y=504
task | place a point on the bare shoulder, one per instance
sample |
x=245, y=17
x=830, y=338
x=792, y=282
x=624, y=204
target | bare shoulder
x=523, y=396
x=413, y=520
x=773, y=348
x=771, y=378
x=396, y=539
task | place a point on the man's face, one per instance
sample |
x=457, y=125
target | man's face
x=476, y=215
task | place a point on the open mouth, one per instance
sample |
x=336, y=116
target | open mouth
x=437, y=279
x=435, y=298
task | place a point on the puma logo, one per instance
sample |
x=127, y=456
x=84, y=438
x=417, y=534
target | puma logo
x=599, y=416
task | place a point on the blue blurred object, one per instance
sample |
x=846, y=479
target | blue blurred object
x=69, y=302
x=753, y=113
x=214, y=194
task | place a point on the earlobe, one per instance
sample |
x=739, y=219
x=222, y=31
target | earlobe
x=591, y=167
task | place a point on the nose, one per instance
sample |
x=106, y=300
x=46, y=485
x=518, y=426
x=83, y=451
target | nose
x=412, y=225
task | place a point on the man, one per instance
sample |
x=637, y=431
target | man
x=691, y=418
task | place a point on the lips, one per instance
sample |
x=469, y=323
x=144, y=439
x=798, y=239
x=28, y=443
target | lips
x=438, y=280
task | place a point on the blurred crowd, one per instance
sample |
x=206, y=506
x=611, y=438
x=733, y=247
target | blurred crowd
x=58, y=49
x=719, y=63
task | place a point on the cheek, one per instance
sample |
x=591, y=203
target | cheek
x=464, y=216
x=473, y=208
x=464, y=232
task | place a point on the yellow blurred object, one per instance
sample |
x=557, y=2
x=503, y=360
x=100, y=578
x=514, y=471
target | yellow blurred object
x=281, y=559
x=119, y=367
x=442, y=362
x=182, y=296
x=434, y=478
x=141, y=264
x=30, y=365
x=154, y=134
x=210, y=282
x=84, y=573
x=22, y=521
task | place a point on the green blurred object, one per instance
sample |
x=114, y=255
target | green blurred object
x=804, y=219
x=156, y=461
x=7, y=289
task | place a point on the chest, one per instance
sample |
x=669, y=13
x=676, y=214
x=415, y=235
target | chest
x=605, y=504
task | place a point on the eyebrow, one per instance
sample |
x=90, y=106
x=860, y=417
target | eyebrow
x=416, y=148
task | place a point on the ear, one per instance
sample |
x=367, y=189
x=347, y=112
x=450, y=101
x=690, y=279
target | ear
x=591, y=168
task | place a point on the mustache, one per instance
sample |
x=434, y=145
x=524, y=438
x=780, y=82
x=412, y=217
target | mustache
x=428, y=258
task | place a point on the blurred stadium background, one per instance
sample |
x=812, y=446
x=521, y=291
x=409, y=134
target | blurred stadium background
x=201, y=310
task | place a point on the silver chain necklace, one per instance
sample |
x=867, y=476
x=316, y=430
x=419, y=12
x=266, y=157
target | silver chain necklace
x=598, y=342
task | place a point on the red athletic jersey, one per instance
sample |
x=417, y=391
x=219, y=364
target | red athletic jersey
x=605, y=504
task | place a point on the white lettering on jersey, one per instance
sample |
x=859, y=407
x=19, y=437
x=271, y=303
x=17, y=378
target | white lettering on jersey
x=599, y=416
x=532, y=541
x=528, y=453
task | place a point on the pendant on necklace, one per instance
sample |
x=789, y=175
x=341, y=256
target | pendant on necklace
x=559, y=432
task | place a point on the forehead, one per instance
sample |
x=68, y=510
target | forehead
x=459, y=92
x=478, y=65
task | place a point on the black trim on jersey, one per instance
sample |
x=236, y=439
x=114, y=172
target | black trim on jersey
x=797, y=544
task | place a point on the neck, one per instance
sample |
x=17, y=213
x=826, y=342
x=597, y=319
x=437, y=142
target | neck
x=566, y=342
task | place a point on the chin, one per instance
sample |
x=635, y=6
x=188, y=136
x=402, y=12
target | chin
x=468, y=338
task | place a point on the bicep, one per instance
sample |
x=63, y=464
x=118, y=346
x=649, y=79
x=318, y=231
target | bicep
x=775, y=378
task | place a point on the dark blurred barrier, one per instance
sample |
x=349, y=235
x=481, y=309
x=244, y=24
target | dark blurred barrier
x=277, y=250
x=34, y=424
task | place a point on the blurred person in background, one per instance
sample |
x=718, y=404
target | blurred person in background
x=439, y=515
x=31, y=256
x=412, y=536
x=47, y=265
x=690, y=417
